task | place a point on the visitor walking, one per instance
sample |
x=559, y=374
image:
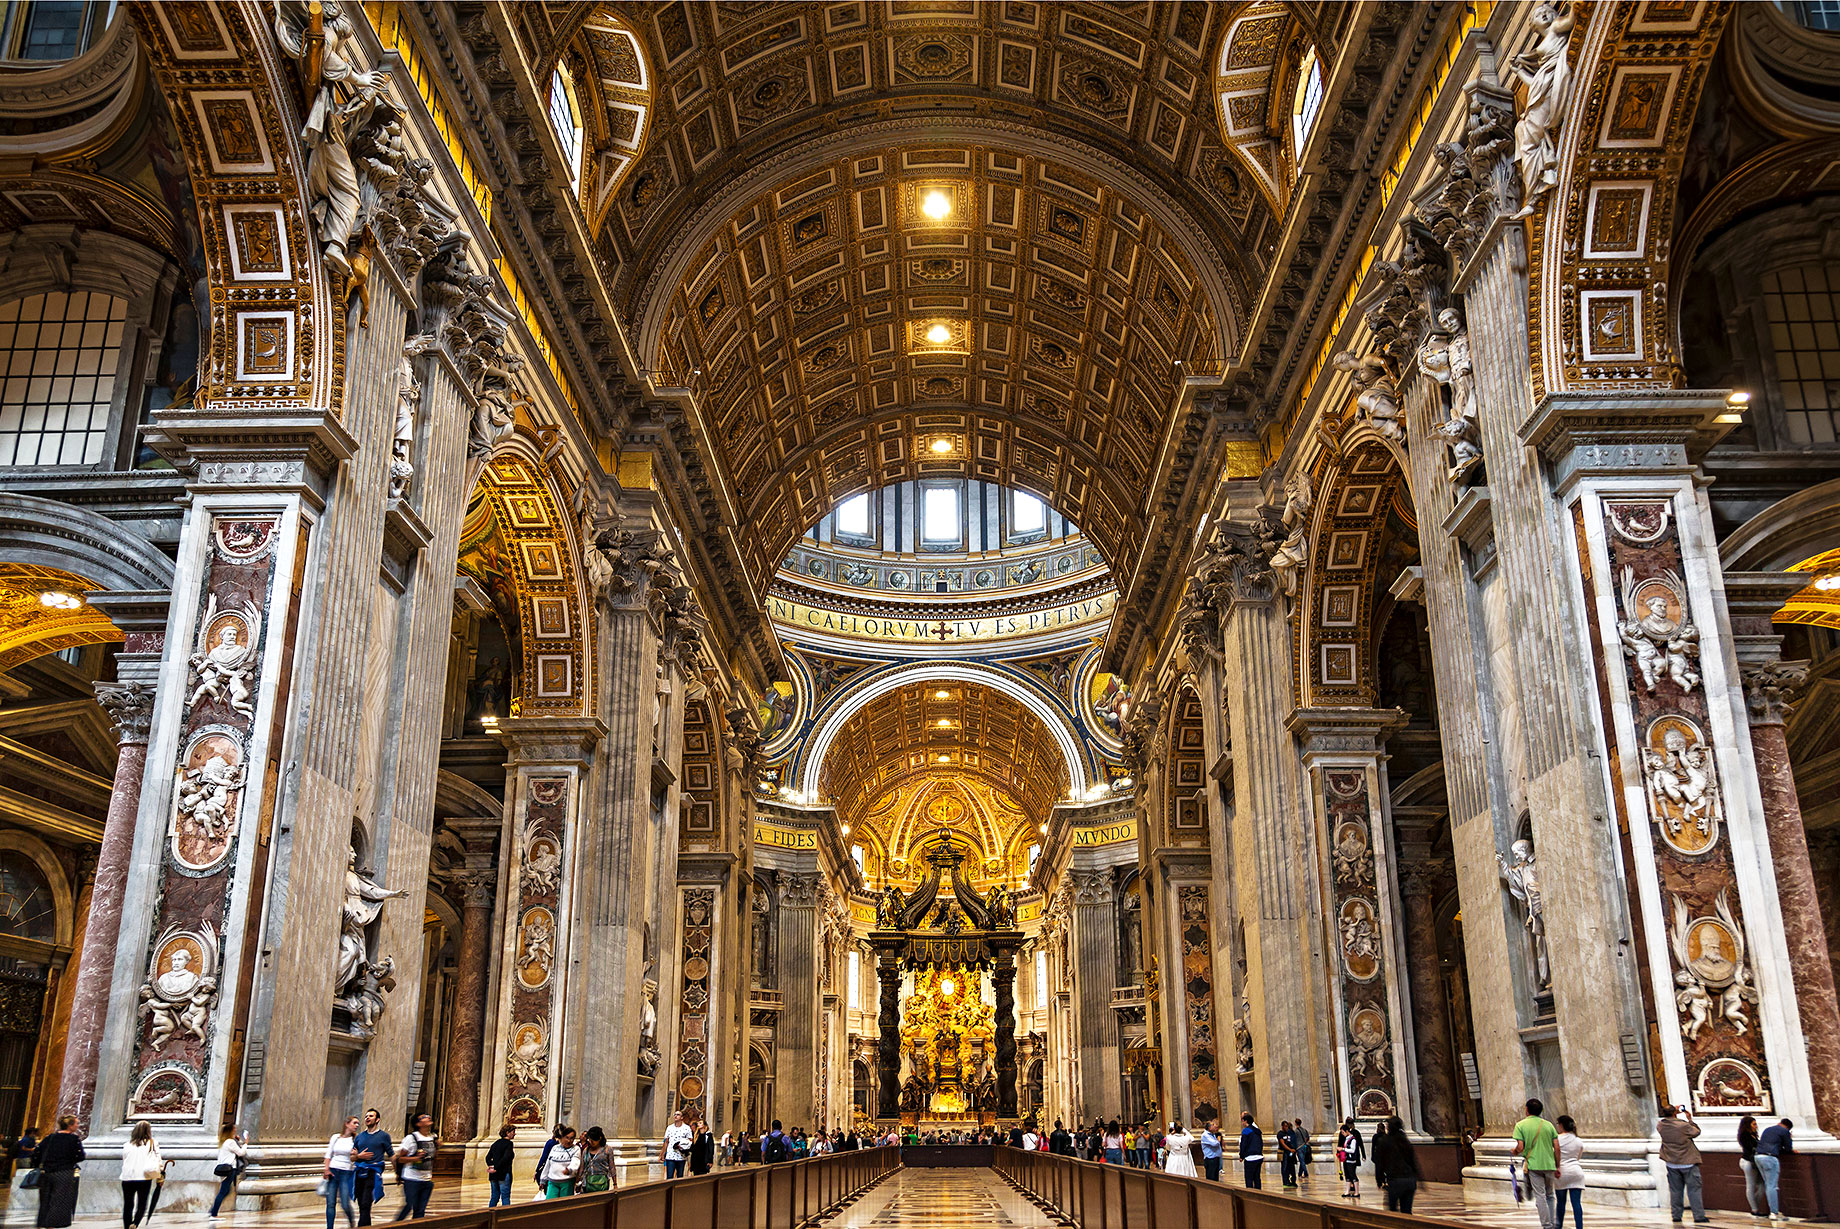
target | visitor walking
x=1251, y=1150
x=560, y=1169
x=1114, y=1145
x=1533, y=1143
x=1146, y=1146
x=336, y=1181
x=1774, y=1146
x=1178, y=1160
x=1570, y=1150
x=141, y=1168
x=1287, y=1154
x=1402, y=1172
x=499, y=1159
x=56, y=1159
x=1059, y=1142
x=1301, y=1135
x=1379, y=1151
x=1210, y=1151
x=549, y=1145
x=775, y=1147
x=702, y=1148
x=1681, y=1156
x=232, y=1148
x=596, y=1163
x=369, y=1155
x=1349, y=1151
x=676, y=1148
x=415, y=1169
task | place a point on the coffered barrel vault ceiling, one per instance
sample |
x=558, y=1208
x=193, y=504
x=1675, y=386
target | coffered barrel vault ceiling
x=988, y=735
x=771, y=252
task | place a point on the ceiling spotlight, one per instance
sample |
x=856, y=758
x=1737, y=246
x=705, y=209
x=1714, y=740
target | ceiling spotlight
x=939, y=334
x=942, y=695
x=846, y=829
x=942, y=444
x=57, y=599
x=1044, y=829
x=945, y=723
x=936, y=204
x=1739, y=398
x=945, y=759
x=1827, y=582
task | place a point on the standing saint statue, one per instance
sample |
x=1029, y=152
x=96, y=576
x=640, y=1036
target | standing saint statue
x=1547, y=72
x=1523, y=880
x=364, y=899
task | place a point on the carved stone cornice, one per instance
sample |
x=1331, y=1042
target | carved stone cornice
x=1328, y=732
x=1655, y=431
x=130, y=708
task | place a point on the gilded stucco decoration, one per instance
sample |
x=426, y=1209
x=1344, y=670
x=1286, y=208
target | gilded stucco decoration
x=976, y=731
x=1252, y=118
x=239, y=123
x=920, y=812
x=1599, y=313
x=618, y=92
x=1185, y=815
x=42, y=611
x=515, y=543
x=1363, y=521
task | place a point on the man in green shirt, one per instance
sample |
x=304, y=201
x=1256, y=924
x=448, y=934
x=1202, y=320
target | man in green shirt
x=1533, y=1143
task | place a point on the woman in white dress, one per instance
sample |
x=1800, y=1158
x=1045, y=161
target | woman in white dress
x=1180, y=1161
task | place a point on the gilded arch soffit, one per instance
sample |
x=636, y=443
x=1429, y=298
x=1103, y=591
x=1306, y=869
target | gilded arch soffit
x=1185, y=818
x=914, y=815
x=29, y=628
x=737, y=81
x=898, y=737
x=1599, y=312
x=617, y=86
x=516, y=544
x=799, y=309
x=1248, y=93
x=1362, y=505
x=237, y=115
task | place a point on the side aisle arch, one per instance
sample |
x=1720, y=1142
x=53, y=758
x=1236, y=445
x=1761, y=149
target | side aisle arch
x=1601, y=263
x=519, y=546
x=271, y=333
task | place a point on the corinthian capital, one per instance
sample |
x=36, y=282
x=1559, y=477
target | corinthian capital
x=130, y=708
x=800, y=889
x=1091, y=887
x=1773, y=689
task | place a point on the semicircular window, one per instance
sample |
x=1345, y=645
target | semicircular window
x=27, y=910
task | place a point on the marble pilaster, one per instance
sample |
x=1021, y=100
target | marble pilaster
x=1437, y=1093
x=1772, y=687
x=1099, y=1089
x=796, y=1049
x=466, y=1042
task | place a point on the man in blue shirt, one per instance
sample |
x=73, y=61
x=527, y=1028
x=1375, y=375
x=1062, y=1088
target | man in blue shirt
x=1251, y=1150
x=1772, y=1146
x=368, y=1153
x=1210, y=1151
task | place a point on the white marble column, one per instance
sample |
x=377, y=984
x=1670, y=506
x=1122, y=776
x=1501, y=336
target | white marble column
x=1099, y=1090
x=796, y=1047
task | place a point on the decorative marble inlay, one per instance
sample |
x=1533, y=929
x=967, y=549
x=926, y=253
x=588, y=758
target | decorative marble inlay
x=699, y=912
x=1198, y=998
x=1367, y=1033
x=541, y=862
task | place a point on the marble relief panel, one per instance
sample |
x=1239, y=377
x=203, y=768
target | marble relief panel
x=1654, y=643
x=1367, y=1031
x=699, y=905
x=206, y=824
x=542, y=840
x=1198, y=998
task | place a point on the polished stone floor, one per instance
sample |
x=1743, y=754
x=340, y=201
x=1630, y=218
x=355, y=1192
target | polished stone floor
x=935, y=1198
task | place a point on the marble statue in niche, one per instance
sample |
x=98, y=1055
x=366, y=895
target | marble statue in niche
x=360, y=982
x=224, y=661
x=1242, y=1037
x=1522, y=876
x=408, y=409
x=181, y=986
x=1547, y=72
x=1292, y=528
x=1663, y=640
x=1376, y=393
x=1445, y=357
x=649, y=1056
x=1712, y=974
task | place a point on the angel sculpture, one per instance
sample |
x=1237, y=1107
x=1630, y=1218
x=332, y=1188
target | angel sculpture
x=1002, y=909
x=1740, y=991
x=1377, y=398
x=1663, y=646
x=496, y=406
x=1547, y=72
x=206, y=795
x=223, y=671
x=1293, y=530
x=1445, y=357
x=344, y=102
x=1682, y=786
x=1693, y=1003
x=890, y=908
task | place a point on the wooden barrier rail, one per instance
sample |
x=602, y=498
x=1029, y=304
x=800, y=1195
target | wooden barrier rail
x=1099, y=1196
x=780, y=1196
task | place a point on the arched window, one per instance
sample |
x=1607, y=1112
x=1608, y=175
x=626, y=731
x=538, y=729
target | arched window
x=60, y=354
x=855, y=980
x=1802, y=308
x=49, y=30
x=1308, y=100
x=27, y=910
x=565, y=118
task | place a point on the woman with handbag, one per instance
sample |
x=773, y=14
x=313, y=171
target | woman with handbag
x=56, y=1161
x=141, y=1167
x=1350, y=1151
x=596, y=1163
x=563, y=1164
x=341, y=1173
x=231, y=1151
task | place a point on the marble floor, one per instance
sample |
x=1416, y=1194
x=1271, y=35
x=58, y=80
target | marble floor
x=938, y=1198
x=935, y=1198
